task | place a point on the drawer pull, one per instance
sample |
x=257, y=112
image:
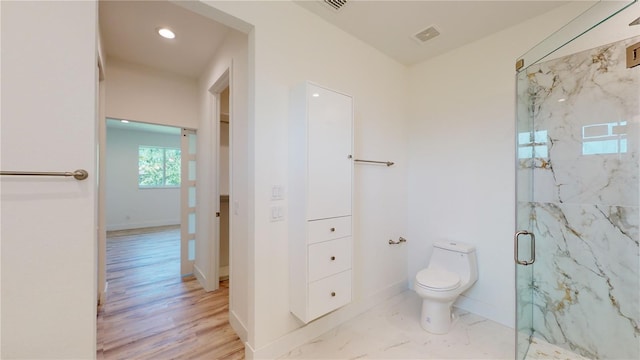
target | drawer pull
x=332, y=229
x=333, y=293
x=333, y=258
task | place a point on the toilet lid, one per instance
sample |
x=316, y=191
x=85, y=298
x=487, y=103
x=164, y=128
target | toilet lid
x=438, y=279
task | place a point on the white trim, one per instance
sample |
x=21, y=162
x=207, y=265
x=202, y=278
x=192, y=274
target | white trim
x=102, y=297
x=202, y=279
x=238, y=326
x=224, y=273
x=218, y=86
x=320, y=326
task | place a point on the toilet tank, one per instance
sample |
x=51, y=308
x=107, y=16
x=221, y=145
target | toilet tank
x=456, y=257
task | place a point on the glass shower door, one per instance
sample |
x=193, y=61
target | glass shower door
x=577, y=173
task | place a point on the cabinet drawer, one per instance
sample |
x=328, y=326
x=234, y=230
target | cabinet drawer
x=329, y=257
x=329, y=229
x=329, y=294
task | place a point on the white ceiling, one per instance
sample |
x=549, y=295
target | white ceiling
x=390, y=25
x=128, y=28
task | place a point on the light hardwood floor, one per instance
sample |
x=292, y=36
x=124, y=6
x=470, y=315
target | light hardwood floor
x=151, y=312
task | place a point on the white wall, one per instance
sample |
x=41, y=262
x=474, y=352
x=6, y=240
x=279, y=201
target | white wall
x=297, y=47
x=127, y=205
x=140, y=93
x=48, y=225
x=462, y=156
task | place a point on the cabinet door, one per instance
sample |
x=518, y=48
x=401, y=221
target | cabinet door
x=329, y=148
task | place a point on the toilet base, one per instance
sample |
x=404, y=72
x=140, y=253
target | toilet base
x=436, y=317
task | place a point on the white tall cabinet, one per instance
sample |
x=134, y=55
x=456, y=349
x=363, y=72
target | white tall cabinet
x=320, y=200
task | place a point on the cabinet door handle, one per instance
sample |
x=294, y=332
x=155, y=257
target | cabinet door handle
x=333, y=293
x=333, y=258
x=332, y=229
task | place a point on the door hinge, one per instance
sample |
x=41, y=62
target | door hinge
x=217, y=213
x=633, y=55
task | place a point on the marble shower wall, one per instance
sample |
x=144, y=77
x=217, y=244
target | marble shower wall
x=578, y=184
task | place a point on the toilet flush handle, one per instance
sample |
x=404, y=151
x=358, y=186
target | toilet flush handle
x=400, y=241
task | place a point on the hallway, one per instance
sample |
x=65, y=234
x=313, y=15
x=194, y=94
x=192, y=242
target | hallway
x=151, y=312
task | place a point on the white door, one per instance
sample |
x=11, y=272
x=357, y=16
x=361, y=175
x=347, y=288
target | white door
x=188, y=202
x=330, y=164
x=48, y=231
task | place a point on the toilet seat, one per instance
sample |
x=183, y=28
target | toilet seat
x=437, y=279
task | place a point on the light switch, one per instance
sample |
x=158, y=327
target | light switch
x=277, y=192
x=277, y=213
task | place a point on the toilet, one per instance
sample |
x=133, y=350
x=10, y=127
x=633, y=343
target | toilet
x=452, y=270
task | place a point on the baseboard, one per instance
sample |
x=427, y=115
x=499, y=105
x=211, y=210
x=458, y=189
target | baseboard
x=224, y=273
x=489, y=311
x=249, y=352
x=202, y=280
x=103, y=295
x=140, y=225
x=238, y=326
x=101, y=298
x=320, y=326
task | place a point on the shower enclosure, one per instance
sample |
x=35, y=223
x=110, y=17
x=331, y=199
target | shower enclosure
x=576, y=245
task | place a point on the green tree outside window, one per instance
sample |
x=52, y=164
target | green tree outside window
x=158, y=167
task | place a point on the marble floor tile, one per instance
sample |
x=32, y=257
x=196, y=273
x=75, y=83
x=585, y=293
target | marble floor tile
x=392, y=331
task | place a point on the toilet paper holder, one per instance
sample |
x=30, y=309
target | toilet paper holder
x=400, y=241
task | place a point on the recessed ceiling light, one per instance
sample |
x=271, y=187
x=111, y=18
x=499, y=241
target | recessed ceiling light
x=124, y=121
x=166, y=33
x=315, y=95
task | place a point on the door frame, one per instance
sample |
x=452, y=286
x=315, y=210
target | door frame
x=223, y=82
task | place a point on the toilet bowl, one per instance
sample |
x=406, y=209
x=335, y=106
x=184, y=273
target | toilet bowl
x=452, y=270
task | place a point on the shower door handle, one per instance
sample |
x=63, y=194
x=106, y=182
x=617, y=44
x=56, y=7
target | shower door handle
x=516, y=239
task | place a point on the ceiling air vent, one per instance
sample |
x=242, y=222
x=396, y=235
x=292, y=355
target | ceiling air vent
x=335, y=4
x=426, y=34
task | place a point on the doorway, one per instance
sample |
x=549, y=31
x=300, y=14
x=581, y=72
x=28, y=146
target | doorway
x=150, y=178
x=181, y=96
x=221, y=119
x=224, y=172
x=146, y=177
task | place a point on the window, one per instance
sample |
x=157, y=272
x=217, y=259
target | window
x=533, y=145
x=158, y=167
x=605, y=138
